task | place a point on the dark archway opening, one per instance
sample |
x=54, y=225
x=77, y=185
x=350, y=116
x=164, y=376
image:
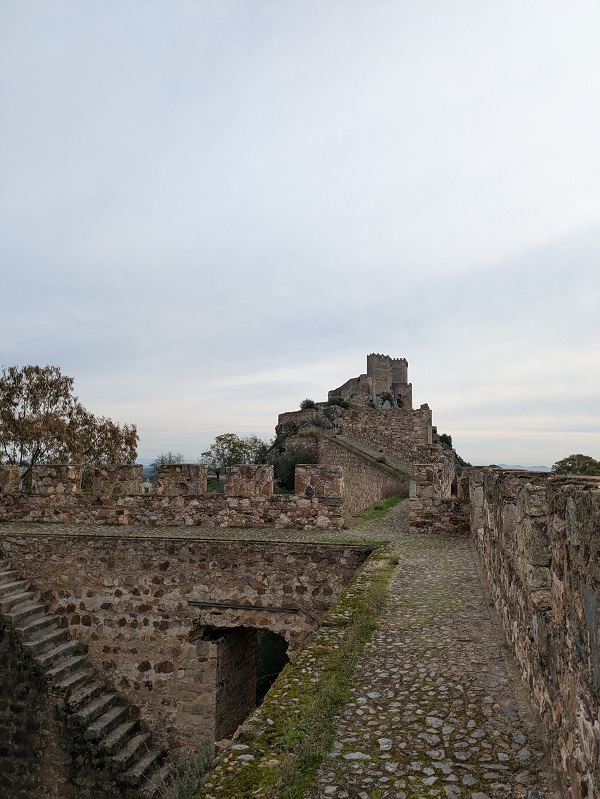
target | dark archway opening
x=271, y=657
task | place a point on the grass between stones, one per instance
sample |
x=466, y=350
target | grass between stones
x=381, y=508
x=283, y=744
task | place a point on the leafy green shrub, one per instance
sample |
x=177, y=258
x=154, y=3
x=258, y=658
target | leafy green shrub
x=307, y=403
x=446, y=441
x=339, y=401
x=284, y=464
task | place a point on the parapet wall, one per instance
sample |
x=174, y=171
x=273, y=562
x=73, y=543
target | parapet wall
x=539, y=540
x=180, y=499
x=404, y=435
x=398, y=432
x=438, y=500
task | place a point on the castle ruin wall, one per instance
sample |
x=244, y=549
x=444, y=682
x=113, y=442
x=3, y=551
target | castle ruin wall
x=365, y=483
x=126, y=599
x=248, y=500
x=538, y=537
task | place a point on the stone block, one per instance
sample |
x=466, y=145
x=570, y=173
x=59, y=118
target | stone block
x=10, y=479
x=249, y=480
x=56, y=479
x=118, y=481
x=318, y=481
x=182, y=479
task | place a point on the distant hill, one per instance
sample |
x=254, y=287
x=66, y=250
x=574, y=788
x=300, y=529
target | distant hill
x=526, y=468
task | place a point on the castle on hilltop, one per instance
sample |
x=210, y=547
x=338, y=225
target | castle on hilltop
x=386, y=381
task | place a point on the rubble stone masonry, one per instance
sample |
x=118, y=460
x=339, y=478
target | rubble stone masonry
x=181, y=498
x=365, y=483
x=539, y=541
x=126, y=599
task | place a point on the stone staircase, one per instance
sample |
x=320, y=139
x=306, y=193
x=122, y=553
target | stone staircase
x=103, y=718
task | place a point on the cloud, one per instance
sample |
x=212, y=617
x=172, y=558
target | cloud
x=209, y=211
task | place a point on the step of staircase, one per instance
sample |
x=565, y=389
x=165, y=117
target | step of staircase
x=75, y=680
x=11, y=602
x=33, y=627
x=58, y=654
x=69, y=666
x=120, y=736
x=107, y=722
x=25, y=612
x=46, y=640
x=135, y=748
x=12, y=587
x=83, y=694
x=94, y=709
x=143, y=768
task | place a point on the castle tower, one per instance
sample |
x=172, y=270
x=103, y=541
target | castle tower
x=385, y=375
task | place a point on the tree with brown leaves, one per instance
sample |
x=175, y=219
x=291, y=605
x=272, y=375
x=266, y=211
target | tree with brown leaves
x=41, y=421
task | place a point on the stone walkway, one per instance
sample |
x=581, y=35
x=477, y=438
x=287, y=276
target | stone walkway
x=437, y=708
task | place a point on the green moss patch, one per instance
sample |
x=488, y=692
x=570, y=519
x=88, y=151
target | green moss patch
x=280, y=748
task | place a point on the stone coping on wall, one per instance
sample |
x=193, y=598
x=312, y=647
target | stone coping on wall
x=258, y=535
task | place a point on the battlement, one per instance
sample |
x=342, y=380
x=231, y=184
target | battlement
x=116, y=496
x=386, y=381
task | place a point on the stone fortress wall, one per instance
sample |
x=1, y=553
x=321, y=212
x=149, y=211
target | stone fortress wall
x=180, y=499
x=538, y=537
x=126, y=599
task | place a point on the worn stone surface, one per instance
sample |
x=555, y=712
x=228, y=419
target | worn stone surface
x=436, y=708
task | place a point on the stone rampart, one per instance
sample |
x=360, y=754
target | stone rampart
x=182, y=499
x=398, y=432
x=365, y=482
x=539, y=541
x=404, y=435
x=127, y=600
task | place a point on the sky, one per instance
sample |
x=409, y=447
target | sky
x=212, y=209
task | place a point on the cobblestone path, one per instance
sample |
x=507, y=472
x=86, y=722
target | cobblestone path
x=437, y=708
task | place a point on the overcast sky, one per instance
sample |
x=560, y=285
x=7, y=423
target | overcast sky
x=212, y=209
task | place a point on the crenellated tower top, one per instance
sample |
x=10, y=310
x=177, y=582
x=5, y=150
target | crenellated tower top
x=386, y=378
